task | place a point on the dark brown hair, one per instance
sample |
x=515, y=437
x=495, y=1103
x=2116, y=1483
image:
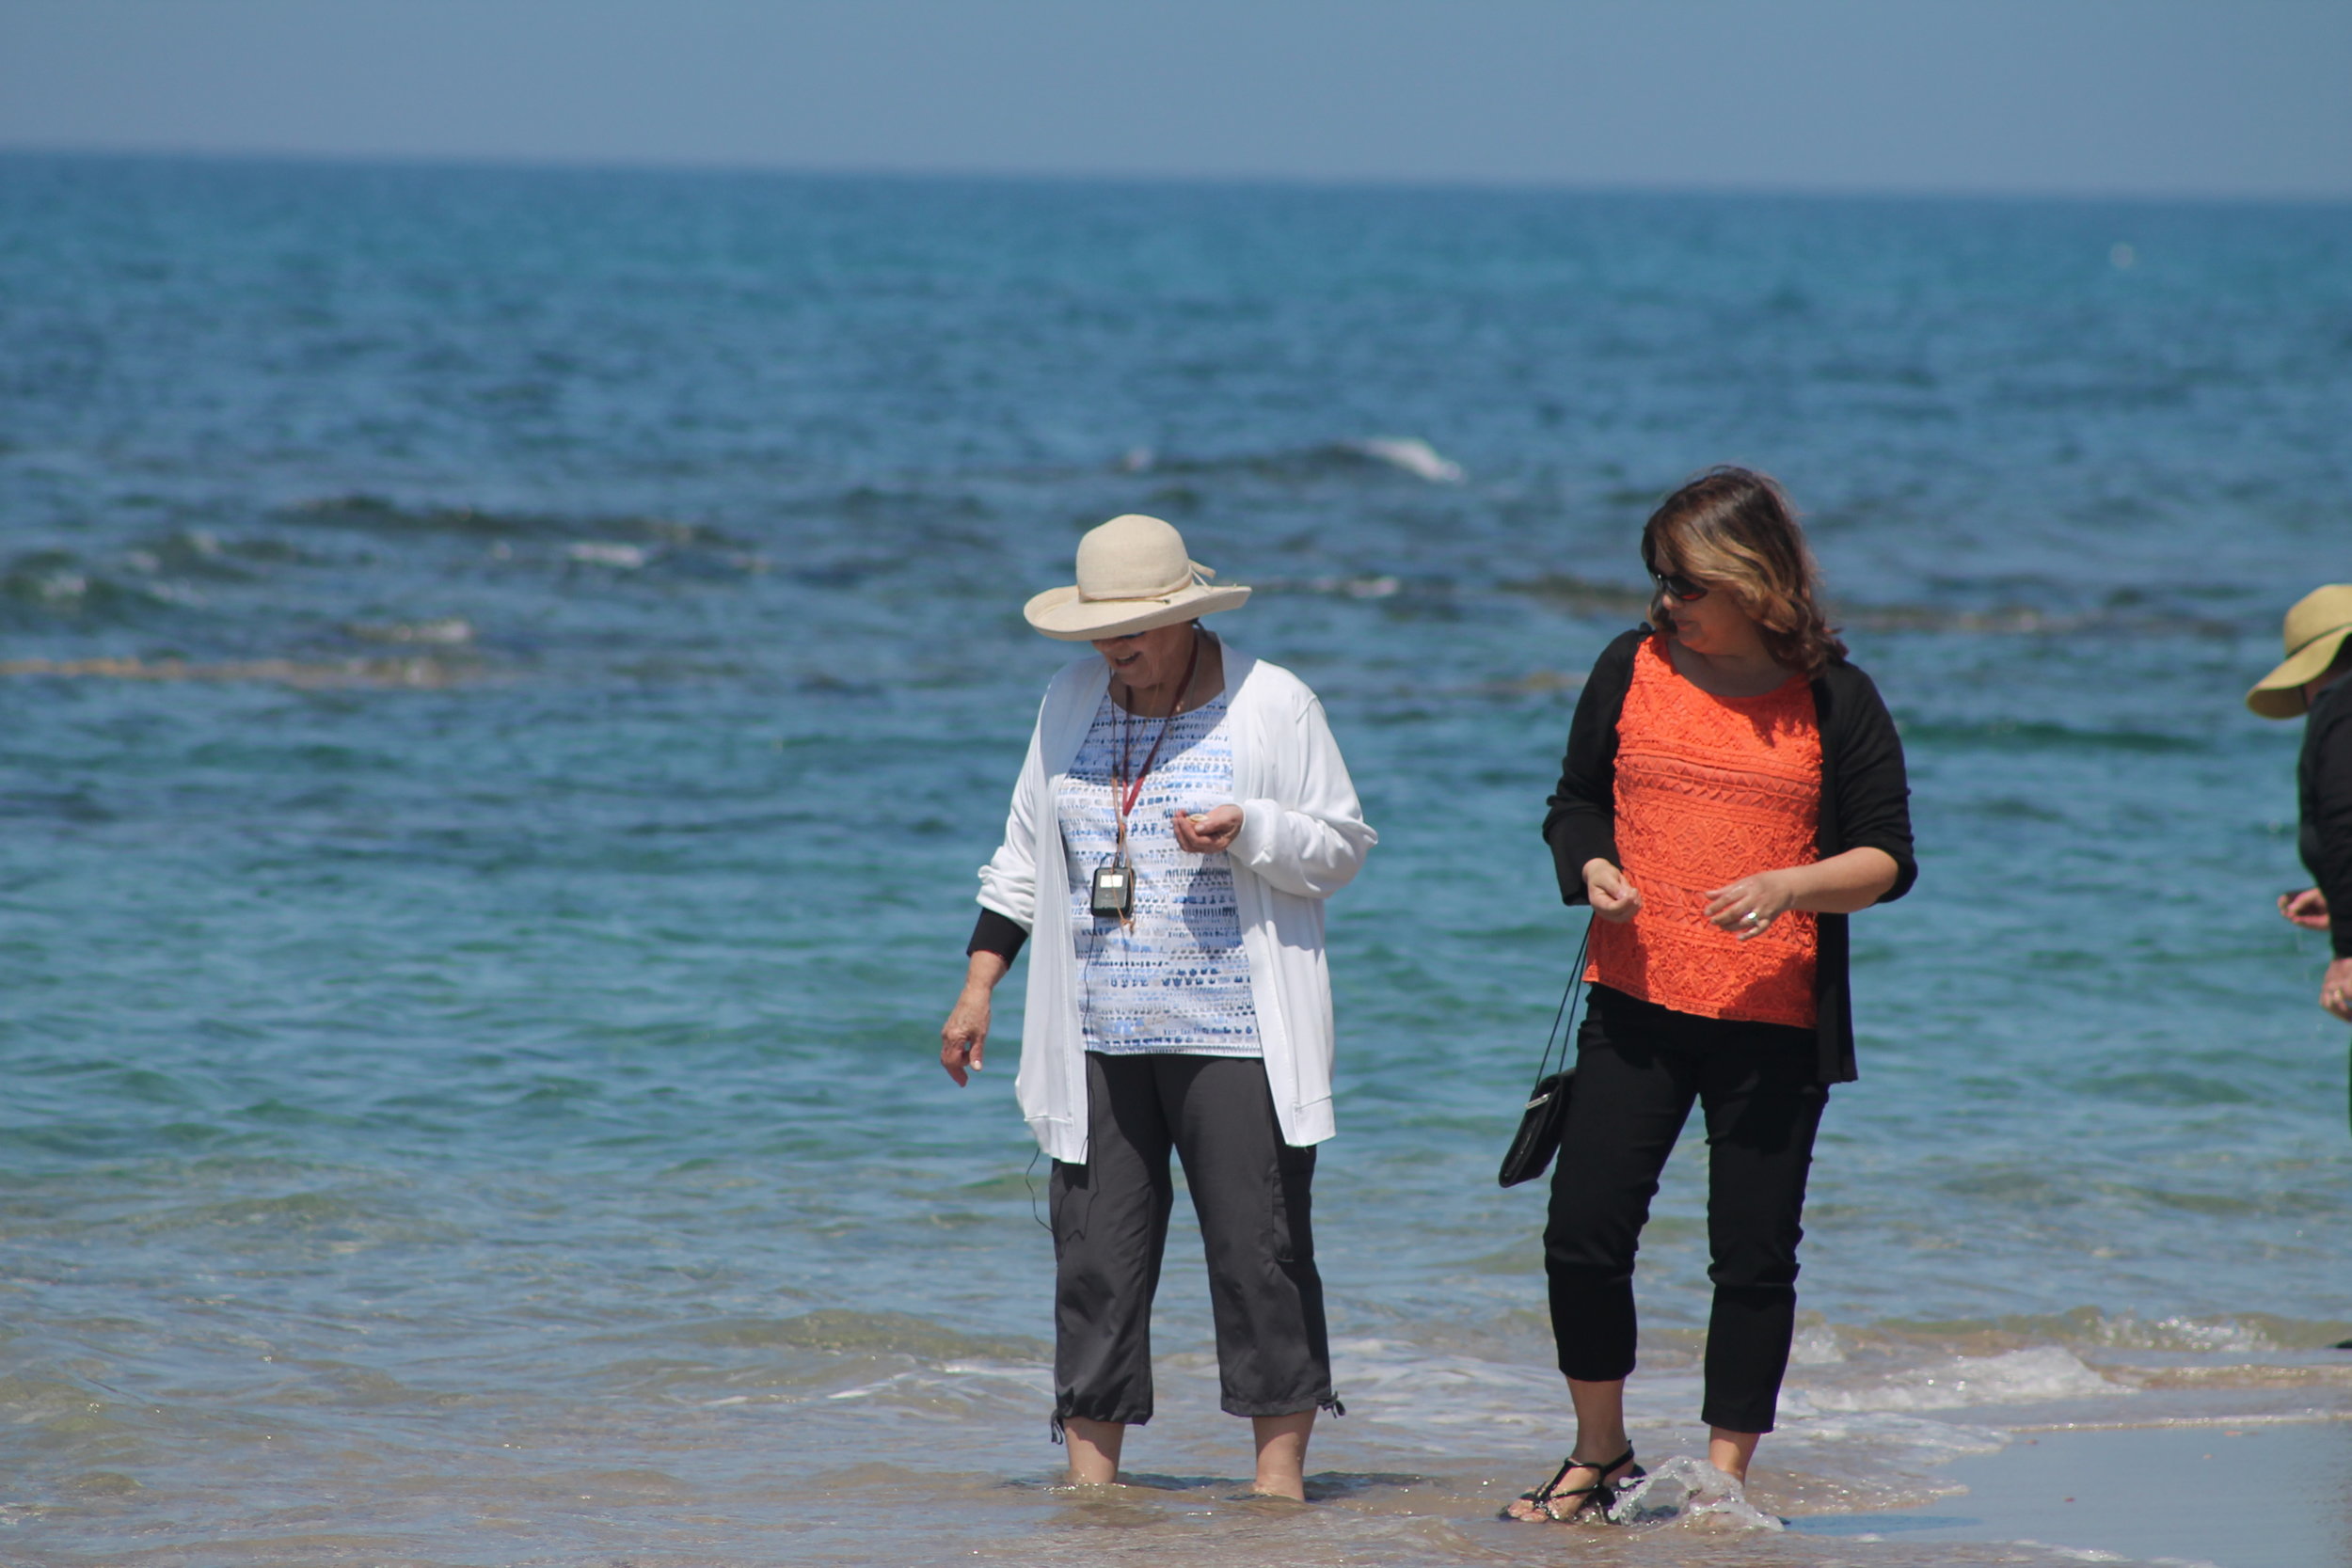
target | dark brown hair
x=1733, y=530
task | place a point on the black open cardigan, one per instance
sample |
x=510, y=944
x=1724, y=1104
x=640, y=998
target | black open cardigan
x=1865, y=800
x=2322, y=778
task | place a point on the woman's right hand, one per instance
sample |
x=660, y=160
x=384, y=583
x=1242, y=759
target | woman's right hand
x=1614, y=896
x=963, y=1037
x=2307, y=909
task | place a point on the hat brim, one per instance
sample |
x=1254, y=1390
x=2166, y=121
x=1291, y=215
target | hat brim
x=2280, y=694
x=1060, y=612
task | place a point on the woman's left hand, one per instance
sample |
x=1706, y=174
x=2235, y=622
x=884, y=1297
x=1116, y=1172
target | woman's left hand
x=1748, y=907
x=1207, y=832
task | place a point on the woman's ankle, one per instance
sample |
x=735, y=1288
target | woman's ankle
x=1093, y=1447
x=1281, y=1442
x=1596, y=1451
x=1731, y=1451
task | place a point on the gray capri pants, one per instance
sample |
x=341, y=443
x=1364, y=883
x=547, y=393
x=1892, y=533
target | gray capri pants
x=1110, y=1229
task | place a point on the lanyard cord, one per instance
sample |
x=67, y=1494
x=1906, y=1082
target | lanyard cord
x=1123, y=805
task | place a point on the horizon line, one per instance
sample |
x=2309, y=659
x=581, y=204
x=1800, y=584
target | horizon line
x=609, y=164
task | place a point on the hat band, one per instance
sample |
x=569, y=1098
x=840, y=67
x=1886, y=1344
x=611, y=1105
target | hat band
x=1192, y=577
x=2316, y=636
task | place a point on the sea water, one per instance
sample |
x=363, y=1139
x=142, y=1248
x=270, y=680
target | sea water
x=509, y=675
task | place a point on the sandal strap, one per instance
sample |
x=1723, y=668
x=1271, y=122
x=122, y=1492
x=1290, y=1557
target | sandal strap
x=1544, y=1496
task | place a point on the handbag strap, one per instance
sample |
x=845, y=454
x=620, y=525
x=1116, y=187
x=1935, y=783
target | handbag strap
x=1576, y=979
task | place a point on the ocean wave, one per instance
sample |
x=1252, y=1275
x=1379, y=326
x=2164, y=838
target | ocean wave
x=447, y=632
x=605, y=552
x=46, y=587
x=1412, y=454
x=379, y=514
x=872, y=1333
x=2235, y=1334
x=2011, y=1377
x=2022, y=620
x=1407, y=454
x=1592, y=596
x=188, y=552
x=415, y=672
x=1584, y=596
x=2008, y=734
x=2088, y=1329
x=1370, y=585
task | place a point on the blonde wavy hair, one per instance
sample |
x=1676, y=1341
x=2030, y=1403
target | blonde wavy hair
x=1733, y=530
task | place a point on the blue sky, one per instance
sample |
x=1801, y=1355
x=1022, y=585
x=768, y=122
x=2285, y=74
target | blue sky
x=2100, y=97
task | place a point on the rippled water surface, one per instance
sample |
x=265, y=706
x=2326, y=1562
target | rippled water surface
x=508, y=676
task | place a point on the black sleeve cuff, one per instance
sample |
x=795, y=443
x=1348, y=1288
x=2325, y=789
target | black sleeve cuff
x=996, y=933
x=1897, y=850
x=1576, y=837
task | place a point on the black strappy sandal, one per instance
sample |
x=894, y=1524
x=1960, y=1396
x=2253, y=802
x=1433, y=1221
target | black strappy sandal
x=1597, y=1497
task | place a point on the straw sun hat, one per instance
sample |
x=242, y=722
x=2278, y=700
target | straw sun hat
x=1133, y=575
x=2316, y=629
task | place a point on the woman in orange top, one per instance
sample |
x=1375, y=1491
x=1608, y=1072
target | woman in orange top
x=1733, y=789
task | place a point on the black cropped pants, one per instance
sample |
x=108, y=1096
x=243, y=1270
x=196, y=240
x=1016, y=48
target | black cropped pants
x=1638, y=1069
x=1250, y=1191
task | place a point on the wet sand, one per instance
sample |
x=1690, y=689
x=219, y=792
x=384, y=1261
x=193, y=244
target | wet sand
x=2266, y=1493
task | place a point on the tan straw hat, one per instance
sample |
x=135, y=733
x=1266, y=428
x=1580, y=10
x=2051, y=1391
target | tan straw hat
x=2316, y=629
x=1133, y=575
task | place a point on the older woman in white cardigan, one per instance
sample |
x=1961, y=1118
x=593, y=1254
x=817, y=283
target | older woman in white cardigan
x=1181, y=817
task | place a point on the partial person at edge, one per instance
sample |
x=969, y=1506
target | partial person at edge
x=2310, y=683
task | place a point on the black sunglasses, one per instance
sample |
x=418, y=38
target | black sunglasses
x=1674, y=585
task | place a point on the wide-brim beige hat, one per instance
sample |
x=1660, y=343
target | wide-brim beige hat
x=2315, y=631
x=1133, y=575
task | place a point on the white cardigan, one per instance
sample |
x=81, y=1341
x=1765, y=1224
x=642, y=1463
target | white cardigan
x=1302, y=839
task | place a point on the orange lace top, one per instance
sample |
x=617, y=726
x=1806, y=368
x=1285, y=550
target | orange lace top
x=1711, y=789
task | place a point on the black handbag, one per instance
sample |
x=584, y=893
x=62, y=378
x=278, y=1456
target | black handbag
x=1546, y=1110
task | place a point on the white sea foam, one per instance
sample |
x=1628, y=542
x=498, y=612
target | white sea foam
x=2227, y=1335
x=986, y=1381
x=1393, y=1383
x=1380, y=586
x=1815, y=1346
x=600, y=552
x=1412, y=454
x=2015, y=1377
x=449, y=631
x=1912, y=1439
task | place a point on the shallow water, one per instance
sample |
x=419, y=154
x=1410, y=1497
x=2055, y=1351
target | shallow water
x=509, y=675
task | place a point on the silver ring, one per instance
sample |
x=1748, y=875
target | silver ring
x=1756, y=917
